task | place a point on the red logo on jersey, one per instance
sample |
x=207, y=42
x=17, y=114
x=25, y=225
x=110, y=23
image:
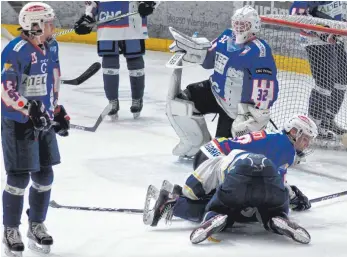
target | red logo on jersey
x=257, y=135
x=33, y=58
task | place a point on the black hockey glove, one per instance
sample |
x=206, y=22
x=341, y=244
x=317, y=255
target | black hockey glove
x=146, y=8
x=38, y=115
x=62, y=121
x=300, y=202
x=81, y=26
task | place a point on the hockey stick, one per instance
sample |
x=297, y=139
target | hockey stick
x=54, y=204
x=94, y=68
x=67, y=31
x=97, y=123
x=328, y=197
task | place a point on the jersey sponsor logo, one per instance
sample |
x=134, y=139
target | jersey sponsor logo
x=332, y=9
x=35, y=85
x=19, y=45
x=220, y=62
x=263, y=71
x=108, y=15
x=260, y=45
x=212, y=150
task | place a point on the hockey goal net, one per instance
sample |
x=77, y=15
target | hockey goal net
x=312, y=72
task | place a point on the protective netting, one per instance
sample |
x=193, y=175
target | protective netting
x=312, y=73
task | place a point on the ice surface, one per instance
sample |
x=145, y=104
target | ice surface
x=114, y=166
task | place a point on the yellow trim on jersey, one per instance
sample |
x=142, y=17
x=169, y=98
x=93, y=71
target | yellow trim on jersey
x=190, y=192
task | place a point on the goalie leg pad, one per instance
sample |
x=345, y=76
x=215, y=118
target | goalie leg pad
x=191, y=129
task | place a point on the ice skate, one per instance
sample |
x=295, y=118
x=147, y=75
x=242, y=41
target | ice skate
x=331, y=125
x=136, y=107
x=290, y=229
x=39, y=240
x=113, y=113
x=12, y=241
x=208, y=227
x=174, y=189
x=163, y=202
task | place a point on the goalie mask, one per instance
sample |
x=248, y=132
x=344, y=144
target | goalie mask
x=33, y=16
x=244, y=23
x=301, y=131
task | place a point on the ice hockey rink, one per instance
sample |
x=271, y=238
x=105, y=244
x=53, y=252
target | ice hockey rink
x=114, y=166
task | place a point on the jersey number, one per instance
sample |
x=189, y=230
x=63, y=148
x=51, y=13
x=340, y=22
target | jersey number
x=246, y=139
x=263, y=93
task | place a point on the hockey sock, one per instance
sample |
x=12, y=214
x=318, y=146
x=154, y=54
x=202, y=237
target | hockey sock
x=40, y=193
x=137, y=76
x=13, y=198
x=110, y=69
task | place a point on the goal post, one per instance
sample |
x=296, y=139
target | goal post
x=311, y=58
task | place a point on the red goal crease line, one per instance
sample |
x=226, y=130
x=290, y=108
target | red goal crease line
x=297, y=25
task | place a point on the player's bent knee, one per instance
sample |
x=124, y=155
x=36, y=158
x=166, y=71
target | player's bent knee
x=42, y=180
x=179, y=107
x=16, y=183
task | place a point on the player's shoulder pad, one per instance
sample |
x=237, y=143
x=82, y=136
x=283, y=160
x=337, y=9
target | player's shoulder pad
x=259, y=48
x=19, y=44
x=227, y=32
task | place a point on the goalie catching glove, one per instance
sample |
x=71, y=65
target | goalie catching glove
x=195, y=48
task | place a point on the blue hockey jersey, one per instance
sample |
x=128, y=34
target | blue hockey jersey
x=243, y=73
x=28, y=73
x=333, y=9
x=275, y=146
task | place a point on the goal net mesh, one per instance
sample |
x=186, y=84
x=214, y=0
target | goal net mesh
x=312, y=73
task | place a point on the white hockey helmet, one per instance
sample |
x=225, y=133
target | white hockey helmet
x=244, y=23
x=301, y=127
x=35, y=13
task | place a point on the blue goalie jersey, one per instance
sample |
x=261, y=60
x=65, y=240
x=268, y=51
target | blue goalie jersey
x=243, y=73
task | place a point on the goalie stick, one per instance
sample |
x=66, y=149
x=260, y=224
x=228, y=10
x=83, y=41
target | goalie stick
x=54, y=204
x=94, y=68
x=328, y=197
x=97, y=123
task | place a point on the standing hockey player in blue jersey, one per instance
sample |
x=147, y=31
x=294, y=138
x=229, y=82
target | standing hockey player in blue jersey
x=125, y=36
x=212, y=166
x=29, y=94
x=241, y=90
x=327, y=59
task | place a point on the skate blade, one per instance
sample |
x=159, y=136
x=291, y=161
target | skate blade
x=113, y=117
x=151, y=198
x=299, y=235
x=136, y=115
x=10, y=253
x=201, y=234
x=166, y=185
x=43, y=249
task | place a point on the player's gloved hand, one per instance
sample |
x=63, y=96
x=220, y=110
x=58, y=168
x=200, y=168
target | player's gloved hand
x=146, y=8
x=300, y=201
x=81, y=26
x=62, y=121
x=326, y=37
x=38, y=115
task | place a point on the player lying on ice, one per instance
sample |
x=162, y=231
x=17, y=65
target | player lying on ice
x=240, y=179
x=241, y=89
